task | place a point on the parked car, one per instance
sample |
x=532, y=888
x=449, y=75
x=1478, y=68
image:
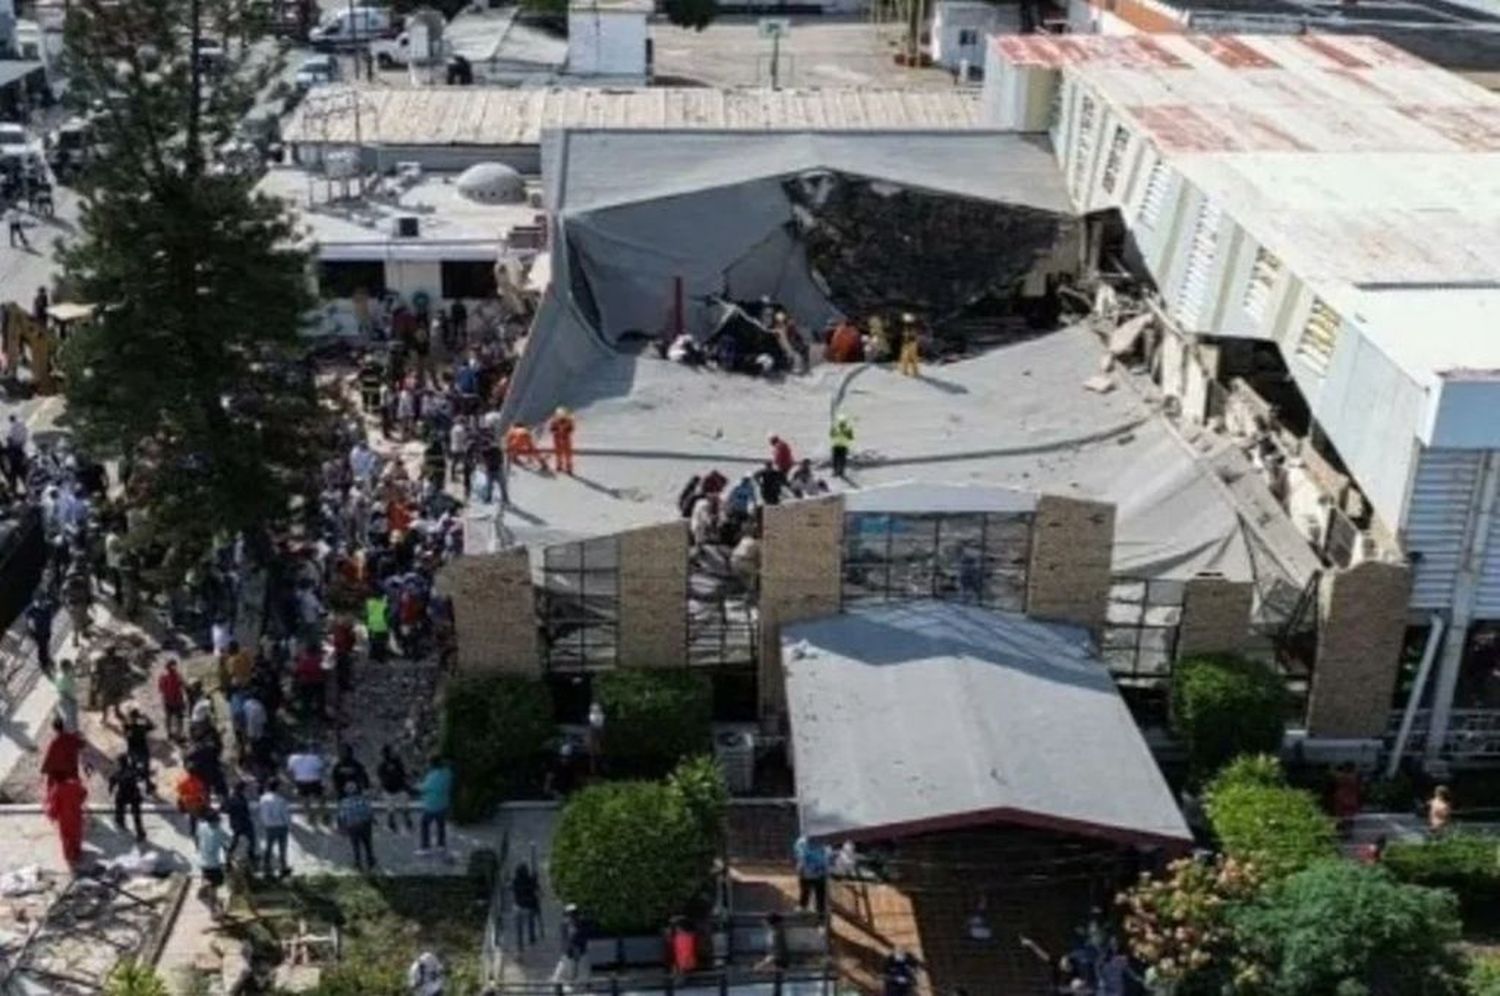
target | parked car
x=351, y=27
x=316, y=70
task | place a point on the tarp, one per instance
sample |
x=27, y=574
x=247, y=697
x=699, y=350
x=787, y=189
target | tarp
x=648, y=225
x=927, y=716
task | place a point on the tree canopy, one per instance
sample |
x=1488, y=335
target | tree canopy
x=191, y=372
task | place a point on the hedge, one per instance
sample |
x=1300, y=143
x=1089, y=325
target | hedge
x=634, y=854
x=495, y=730
x=1224, y=706
x=1466, y=863
x=653, y=719
x=1279, y=829
x=1483, y=976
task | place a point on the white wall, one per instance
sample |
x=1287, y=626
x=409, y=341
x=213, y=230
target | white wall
x=950, y=21
x=605, y=42
x=406, y=277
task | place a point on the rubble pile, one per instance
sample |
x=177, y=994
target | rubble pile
x=882, y=249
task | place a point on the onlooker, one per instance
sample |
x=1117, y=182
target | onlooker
x=211, y=848
x=39, y=615
x=682, y=947
x=395, y=788
x=173, y=699
x=275, y=823
x=526, y=894
x=377, y=625
x=138, y=740
x=66, y=684
x=306, y=769
x=1439, y=811
x=125, y=787
x=812, y=873
x=573, y=964
x=241, y=824
x=312, y=695
x=437, y=797
x=777, y=956
x=192, y=800
x=348, y=769
x=357, y=819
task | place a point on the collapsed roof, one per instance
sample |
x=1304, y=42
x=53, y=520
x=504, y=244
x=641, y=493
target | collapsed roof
x=927, y=716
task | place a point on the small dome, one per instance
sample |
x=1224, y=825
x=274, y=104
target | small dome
x=492, y=183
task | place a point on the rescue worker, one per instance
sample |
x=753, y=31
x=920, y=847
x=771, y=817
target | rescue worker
x=65, y=808
x=841, y=440
x=435, y=461
x=521, y=445
x=561, y=426
x=910, y=352
x=781, y=455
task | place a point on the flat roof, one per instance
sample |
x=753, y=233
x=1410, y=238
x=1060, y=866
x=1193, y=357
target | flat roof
x=1014, y=417
x=364, y=227
x=926, y=716
x=462, y=115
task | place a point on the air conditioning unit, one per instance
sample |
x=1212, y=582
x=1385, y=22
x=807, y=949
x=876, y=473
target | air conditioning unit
x=407, y=226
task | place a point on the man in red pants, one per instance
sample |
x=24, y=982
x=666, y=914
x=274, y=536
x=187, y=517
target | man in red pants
x=561, y=426
x=65, y=807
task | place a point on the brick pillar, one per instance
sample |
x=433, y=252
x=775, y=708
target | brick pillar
x=494, y=612
x=1072, y=542
x=801, y=577
x=1361, y=627
x=1215, y=616
x=653, y=596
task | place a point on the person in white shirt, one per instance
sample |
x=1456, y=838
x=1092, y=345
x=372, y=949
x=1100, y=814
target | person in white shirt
x=275, y=821
x=425, y=977
x=306, y=768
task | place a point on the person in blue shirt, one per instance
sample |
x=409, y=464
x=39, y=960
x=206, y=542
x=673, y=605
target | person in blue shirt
x=811, y=858
x=437, y=796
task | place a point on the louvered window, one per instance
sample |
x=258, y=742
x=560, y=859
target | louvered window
x=1319, y=337
x=1085, y=144
x=1156, y=194
x=1116, y=158
x=1192, y=298
x=1263, y=276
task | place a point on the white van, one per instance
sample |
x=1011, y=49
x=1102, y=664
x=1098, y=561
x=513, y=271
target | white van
x=354, y=26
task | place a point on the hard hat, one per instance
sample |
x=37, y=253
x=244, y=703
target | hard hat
x=907, y=316
x=562, y=412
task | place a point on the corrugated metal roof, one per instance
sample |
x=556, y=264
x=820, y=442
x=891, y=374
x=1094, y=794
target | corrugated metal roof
x=437, y=115
x=925, y=716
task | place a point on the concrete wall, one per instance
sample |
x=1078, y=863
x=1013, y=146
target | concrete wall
x=653, y=596
x=801, y=577
x=408, y=276
x=1215, y=616
x=494, y=612
x=1362, y=623
x=1071, y=544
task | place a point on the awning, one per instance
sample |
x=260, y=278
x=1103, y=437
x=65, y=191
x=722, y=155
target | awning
x=926, y=716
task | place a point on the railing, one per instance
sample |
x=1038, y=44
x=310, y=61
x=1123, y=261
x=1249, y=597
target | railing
x=791, y=982
x=492, y=955
x=1473, y=735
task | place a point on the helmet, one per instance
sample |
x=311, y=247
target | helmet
x=562, y=412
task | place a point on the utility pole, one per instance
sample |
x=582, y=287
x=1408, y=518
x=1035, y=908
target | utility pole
x=195, y=76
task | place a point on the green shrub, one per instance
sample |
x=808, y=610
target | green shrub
x=495, y=730
x=653, y=718
x=634, y=854
x=1483, y=976
x=1278, y=829
x=1337, y=927
x=1224, y=706
x=1250, y=769
x=1466, y=863
x=134, y=978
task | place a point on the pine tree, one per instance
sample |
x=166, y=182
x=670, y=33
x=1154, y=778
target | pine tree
x=191, y=373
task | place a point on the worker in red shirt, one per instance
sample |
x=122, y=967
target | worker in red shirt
x=781, y=456
x=561, y=426
x=65, y=808
x=173, y=694
x=344, y=639
x=60, y=762
x=192, y=799
x=520, y=445
x=309, y=678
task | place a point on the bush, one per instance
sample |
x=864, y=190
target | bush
x=1178, y=926
x=495, y=730
x=1224, y=706
x=1483, y=976
x=134, y=978
x=653, y=719
x=1337, y=927
x=1250, y=769
x=634, y=854
x=1466, y=863
x=1276, y=828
